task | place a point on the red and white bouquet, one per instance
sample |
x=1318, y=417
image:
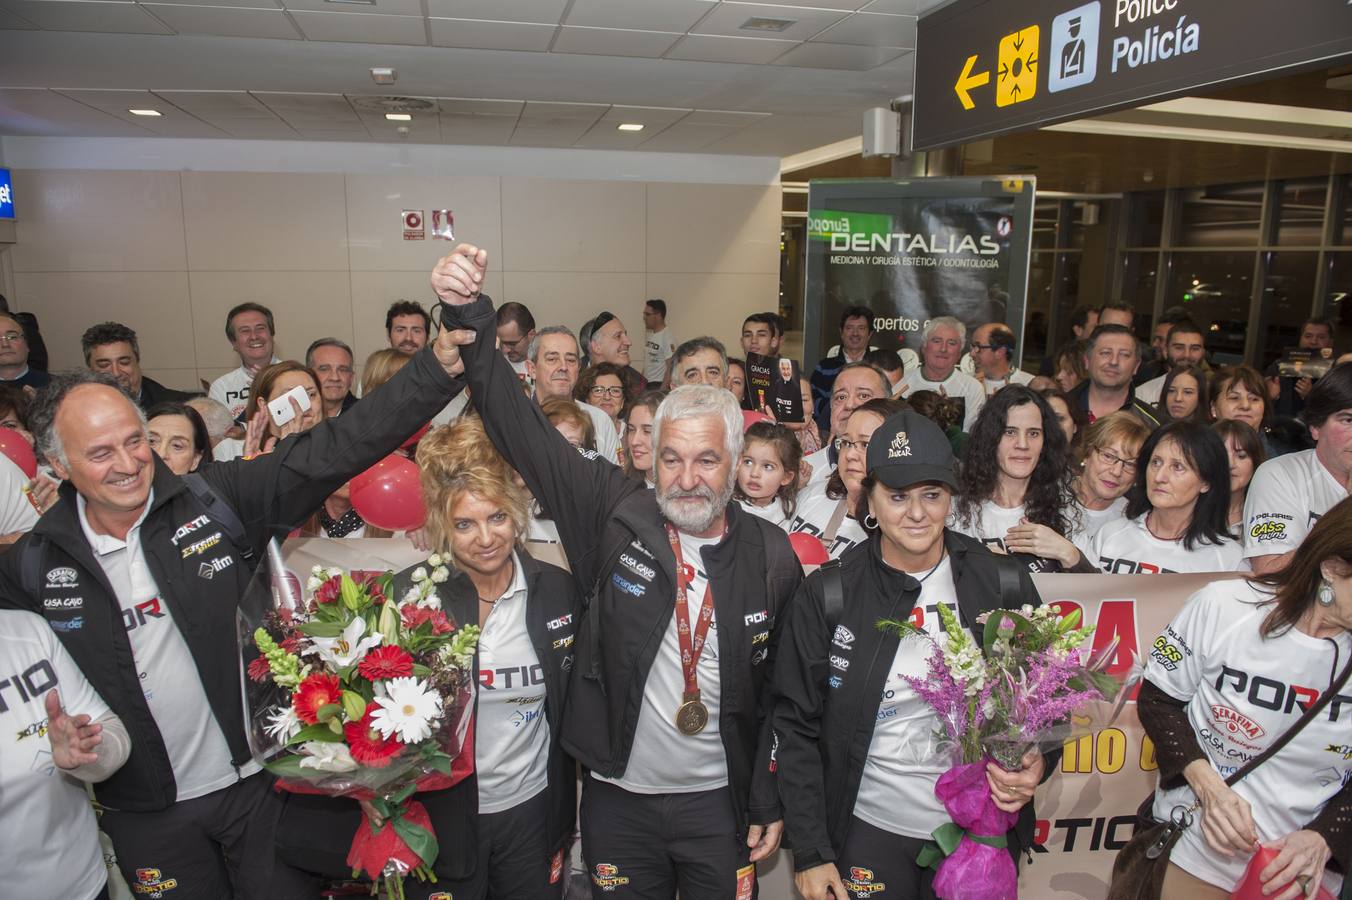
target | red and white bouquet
x=995, y=701
x=352, y=692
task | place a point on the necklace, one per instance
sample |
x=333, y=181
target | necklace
x=943, y=556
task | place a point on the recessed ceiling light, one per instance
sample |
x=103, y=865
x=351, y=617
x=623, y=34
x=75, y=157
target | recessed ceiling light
x=399, y=117
x=145, y=112
x=759, y=23
x=629, y=126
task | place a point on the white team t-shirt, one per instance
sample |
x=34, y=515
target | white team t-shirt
x=1151, y=391
x=991, y=525
x=1016, y=376
x=198, y=754
x=772, y=512
x=814, y=514
x=49, y=825
x=511, y=734
x=896, y=790
x=1126, y=547
x=1286, y=497
x=1091, y=521
x=607, y=436
x=232, y=389
x=662, y=759
x=1242, y=692
x=958, y=385
x=820, y=460
x=16, y=511
x=657, y=349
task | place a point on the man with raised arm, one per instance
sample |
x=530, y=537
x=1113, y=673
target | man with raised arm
x=669, y=703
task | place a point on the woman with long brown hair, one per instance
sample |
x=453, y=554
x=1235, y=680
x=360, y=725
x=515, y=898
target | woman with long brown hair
x=1233, y=672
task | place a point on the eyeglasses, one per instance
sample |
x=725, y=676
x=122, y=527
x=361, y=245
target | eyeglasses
x=516, y=344
x=977, y=348
x=599, y=391
x=841, y=445
x=11, y=337
x=1112, y=461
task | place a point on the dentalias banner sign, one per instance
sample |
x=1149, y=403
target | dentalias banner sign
x=914, y=249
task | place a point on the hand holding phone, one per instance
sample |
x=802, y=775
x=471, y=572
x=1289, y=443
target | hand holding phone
x=281, y=409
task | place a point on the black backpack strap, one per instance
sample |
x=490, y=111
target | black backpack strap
x=1007, y=571
x=221, y=511
x=30, y=565
x=833, y=593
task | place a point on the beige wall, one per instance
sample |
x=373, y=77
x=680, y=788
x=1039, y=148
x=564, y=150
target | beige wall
x=169, y=252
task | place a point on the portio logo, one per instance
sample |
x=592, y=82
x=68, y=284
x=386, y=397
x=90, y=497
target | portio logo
x=861, y=883
x=152, y=883
x=607, y=876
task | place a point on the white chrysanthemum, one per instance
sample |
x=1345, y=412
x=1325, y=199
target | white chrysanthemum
x=327, y=756
x=434, y=560
x=283, y=724
x=419, y=575
x=440, y=574
x=408, y=709
x=348, y=647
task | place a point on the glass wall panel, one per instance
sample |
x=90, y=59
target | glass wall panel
x=1221, y=216
x=1300, y=217
x=1214, y=287
x=1145, y=219
x=1338, y=300
x=1287, y=297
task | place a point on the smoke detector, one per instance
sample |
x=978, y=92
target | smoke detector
x=384, y=75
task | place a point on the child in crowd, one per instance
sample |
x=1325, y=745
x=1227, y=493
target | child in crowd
x=767, y=473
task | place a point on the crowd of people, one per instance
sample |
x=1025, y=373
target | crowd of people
x=720, y=704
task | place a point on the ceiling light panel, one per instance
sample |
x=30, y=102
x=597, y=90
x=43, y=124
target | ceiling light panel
x=730, y=19
x=145, y=112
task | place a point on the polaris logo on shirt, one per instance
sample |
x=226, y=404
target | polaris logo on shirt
x=843, y=638
x=188, y=528
x=209, y=569
x=63, y=576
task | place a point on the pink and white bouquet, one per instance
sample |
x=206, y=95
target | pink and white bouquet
x=355, y=693
x=995, y=701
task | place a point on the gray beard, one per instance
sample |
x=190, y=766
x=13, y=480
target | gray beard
x=702, y=517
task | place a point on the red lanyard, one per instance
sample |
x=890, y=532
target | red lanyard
x=691, y=645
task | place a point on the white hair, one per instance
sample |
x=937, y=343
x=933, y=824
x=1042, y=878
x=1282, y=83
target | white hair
x=691, y=401
x=215, y=415
x=939, y=322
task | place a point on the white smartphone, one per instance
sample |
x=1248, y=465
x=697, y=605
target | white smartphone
x=281, y=409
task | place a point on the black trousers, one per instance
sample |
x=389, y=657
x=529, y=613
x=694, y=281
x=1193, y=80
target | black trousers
x=514, y=860
x=216, y=847
x=880, y=865
x=649, y=846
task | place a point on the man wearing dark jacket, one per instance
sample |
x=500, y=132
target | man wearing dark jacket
x=139, y=572
x=112, y=348
x=669, y=702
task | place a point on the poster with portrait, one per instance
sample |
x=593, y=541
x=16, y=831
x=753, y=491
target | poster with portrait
x=914, y=249
x=772, y=385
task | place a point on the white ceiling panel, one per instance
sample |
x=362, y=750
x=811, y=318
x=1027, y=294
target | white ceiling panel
x=40, y=111
x=846, y=5
x=10, y=20
x=75, y=15
x=540, y=12
x=481, y=35
x=640, y=15
x=723, y=118
x=215, y=105
x=312, y=111
x=873, y=30
x=613, y=42
x=224, y=22
x=815, y=55
x=379, y=8
x=716, y=48
x=476, y=130
x=729, y=18
x=172, y=121
x=356, y=28
x=555, y=124
x=683, y=138
x=464, y=106
x=248, y=4
x=257, y=129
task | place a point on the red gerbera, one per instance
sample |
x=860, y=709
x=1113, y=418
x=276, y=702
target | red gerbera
x=259, y=669
x=314, y=693
x=368, y=747
x=414, y=616
x=385, y=662
x=292, y=644
x=328, y=591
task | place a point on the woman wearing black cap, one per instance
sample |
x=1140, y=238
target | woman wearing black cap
x=856, y=758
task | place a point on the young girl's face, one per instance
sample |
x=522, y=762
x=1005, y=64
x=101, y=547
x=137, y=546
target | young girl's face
x=761, y=473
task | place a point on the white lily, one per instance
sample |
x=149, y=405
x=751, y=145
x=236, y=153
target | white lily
x=283, y=724
x=348, y=647
x=407, y=708
x=327, y=756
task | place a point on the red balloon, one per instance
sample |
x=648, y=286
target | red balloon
x=1251, y=888
x=20, y=452
x=751, y=417
x=417, y=436
x=389, y=495
x=809, y=549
